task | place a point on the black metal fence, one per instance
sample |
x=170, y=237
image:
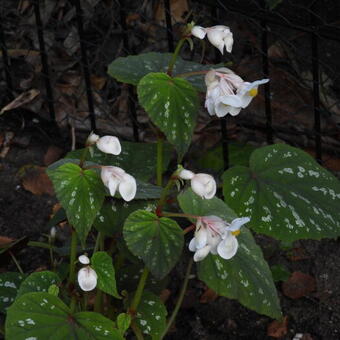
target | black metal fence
x=62, y=49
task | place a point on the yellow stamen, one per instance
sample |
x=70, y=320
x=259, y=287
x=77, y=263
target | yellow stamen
x=252, y=92
x=236, y=232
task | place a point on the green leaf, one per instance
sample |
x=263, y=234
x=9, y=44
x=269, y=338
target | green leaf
x=38, y=282
x=81, y=193
x=133, y=68
x=172, y=104
x=213, y=159
x=280, y=273
x=286, y=194
x=123, y=322
x=192, y=204
x=54, y=290
x=158, y=241
x=45, y=316
x=9, y=285
x=137, y=159
x=101, y=262
x=151, y=315
x=246, y=277
x=111, y=218
x=273, y=3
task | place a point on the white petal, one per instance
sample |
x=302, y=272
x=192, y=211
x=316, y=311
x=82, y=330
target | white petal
x=228, y=41
x=192, y=245
x=210, y=77
x=198, y=32
x=83, y=259
x=221, y=109
x=112, y=185
x=109, y=144
x=201, y=237
x=128, y=187
x=237, y=223
x=216, y=38
x=106, y=174
x=186, y=174
x=204, y=185
x=201, y=253
x=228, y=247
x=232, y=100
x=87, y=279
x=213, y=241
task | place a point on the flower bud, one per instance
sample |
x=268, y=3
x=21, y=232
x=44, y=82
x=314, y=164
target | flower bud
x=87, y=279
x=198, y=32
x=83, y=259
x=92, y=139
x=109, y=144
x=204, y=185
x=186, y=174
x=53, y=232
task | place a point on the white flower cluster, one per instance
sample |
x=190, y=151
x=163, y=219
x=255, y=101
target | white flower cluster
x=114, y=177
x=214, y=235
x=87, y=277
x=226, y=91
x=203, y=185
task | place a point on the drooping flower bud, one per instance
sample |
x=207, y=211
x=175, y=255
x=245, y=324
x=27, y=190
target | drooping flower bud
x=87, y=279
x=83, y=259
x=92, y=139
x=109, y=144
x=203, y=185
x=186, y=174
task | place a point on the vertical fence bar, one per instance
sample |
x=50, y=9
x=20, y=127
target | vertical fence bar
x=44, y=59
x=85, y=64
x=316, y=90
x=5, y=58
x=131, y=94
x=167, y=12
x=223, y=120
x=265, y=70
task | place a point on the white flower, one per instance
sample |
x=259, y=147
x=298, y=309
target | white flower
x=220, y=36
x=186, y=174
x=203, y=185
x=208, y=234
x=92, y=139
x=53, y=232
x=115, y=178
x=214, y=235
x=83, y=259
x=109, y=144
x=227, y=248
x=228, y=93
x=87, y=279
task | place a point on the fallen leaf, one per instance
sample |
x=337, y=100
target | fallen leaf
x=278, y=329
x=5, y=241
x=164, y=296
x=179, y=9
x=52, y=154
x=5, y=141
x=208, y=296
x=22, y=99
x=298, y=254
x=37, y=182
x=298, y=285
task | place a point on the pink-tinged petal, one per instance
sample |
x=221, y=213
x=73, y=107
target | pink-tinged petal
x=128, y=188
x=228, y=247
x=237, y=223
x=87, y=279
x=192, y=245
x=186, y=174
x=198, y=32
x=109, y=144
x=202, y=253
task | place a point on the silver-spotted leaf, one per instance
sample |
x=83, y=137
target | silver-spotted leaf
x=36, y=316
x=246, y=277
x=81, y=193
x=172, y=104
x=157, y=241
x=286, y=193
x=9, y=285
x=151, y=315
x=101, y=262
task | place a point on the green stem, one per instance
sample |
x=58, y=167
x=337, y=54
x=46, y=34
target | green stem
x=98, y=301
x=180, y=299
x=41, y=245
x=159, y=160
x=73, y=255
x=174, y=56
x=139, y=292
x=51, y=253
x=16, y=262
x=83, y=156
x=137, y=331
x=171, y=214
x=99, y=242
x=193, y=73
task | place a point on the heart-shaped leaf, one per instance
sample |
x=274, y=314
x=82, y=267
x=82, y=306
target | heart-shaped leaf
x=38, y=282
x=81, y=193
x=151, y=315
x=101, y=262
x=9, y=285
x=172, y=104
x=286, y=193
x=133, y=68
x=44, y=316
x=158, y=241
